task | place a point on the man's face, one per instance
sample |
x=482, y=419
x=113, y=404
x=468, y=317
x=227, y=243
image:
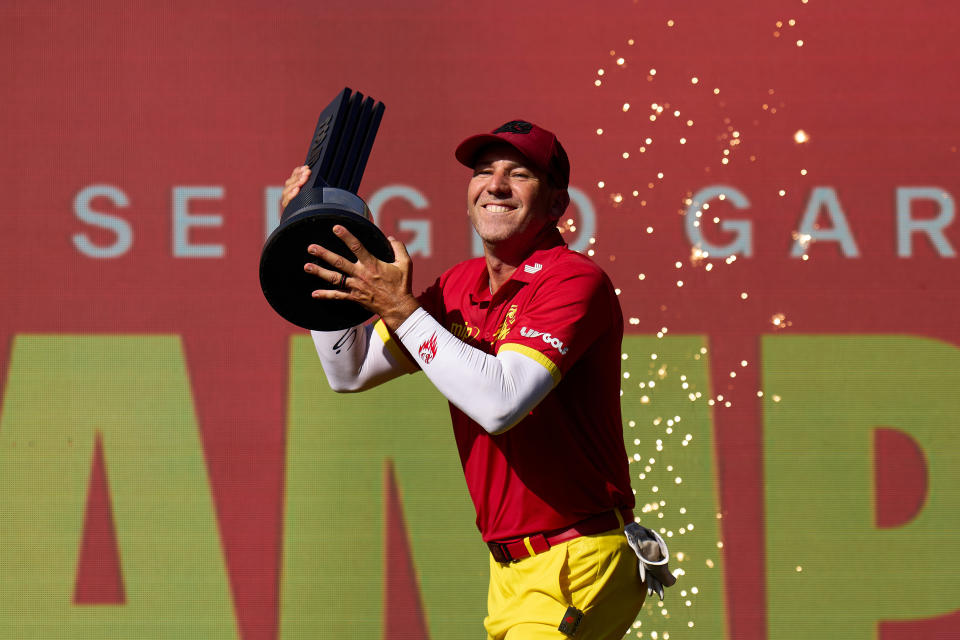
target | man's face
x=509, y=202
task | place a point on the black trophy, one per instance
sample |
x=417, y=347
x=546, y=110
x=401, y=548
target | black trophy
x=337, y=157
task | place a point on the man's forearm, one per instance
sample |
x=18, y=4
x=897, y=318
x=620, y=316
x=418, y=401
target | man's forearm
x=495, y=391
x=355, y=359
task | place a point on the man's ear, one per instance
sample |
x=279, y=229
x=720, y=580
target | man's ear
x=561, y=200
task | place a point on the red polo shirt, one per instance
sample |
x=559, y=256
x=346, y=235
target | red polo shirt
x=566, y=460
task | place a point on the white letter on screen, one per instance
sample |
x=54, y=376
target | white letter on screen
x=421, y=243
x=120, y=227
x=824, y=198
x=741, y=244
x=907, y=226
x=183, y=220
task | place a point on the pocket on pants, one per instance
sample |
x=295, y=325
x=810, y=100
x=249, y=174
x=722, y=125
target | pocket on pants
x=581, y=570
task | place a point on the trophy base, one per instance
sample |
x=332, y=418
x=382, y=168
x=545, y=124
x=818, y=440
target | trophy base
x=287, y=287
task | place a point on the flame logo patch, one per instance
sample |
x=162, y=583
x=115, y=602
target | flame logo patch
x=428, y=350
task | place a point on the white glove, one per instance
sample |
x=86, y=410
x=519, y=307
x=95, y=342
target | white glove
x=653, y=555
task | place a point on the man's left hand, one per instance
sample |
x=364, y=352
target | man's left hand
x=382, y=287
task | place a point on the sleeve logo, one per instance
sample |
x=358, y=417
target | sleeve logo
x=428, y=350
x=546, y=337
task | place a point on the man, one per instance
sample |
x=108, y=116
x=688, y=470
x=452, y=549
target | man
x=525, y=344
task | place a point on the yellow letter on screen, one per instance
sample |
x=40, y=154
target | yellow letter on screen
x=61, y=391
x=668, y=432
x=333, y=536
x=830, y=571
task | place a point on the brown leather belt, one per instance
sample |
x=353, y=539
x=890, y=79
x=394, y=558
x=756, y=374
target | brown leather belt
x=513, y=550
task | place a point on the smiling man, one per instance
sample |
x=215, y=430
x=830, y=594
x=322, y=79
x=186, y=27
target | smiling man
x=525, y=344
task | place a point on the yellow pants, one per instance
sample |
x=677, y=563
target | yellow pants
x=596, y=574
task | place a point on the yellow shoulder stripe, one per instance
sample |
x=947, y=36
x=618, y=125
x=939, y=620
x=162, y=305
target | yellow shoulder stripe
x=398, y=354
x=534, y=355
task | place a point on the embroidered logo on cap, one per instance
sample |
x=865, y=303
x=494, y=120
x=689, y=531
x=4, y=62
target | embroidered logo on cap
x=428, y=350
x=515, y=126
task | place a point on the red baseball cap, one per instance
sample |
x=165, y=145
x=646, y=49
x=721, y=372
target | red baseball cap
x=538, y=145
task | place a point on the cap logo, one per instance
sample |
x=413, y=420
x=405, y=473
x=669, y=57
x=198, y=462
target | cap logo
x=515, y=126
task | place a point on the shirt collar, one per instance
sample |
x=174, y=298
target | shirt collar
x=542, y=256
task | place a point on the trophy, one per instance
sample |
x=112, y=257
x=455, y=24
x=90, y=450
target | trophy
x=337, y=156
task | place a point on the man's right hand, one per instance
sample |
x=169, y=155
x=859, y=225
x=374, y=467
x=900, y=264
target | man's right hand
x=292, y=186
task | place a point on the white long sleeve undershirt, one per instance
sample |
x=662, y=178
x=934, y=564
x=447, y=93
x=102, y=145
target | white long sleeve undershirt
x=494, y=391
x=356, y=359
